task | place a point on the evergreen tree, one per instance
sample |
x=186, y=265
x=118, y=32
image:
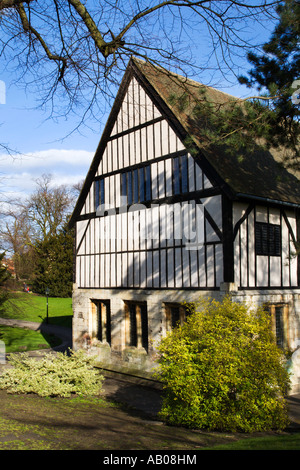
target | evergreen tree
x=269, y=120
x=4, y=276
x=54, y=264
x=277, y=73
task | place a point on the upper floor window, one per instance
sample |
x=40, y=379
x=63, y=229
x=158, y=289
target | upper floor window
x=136, y=185
x=156, y=180
x=99, y=193
x=267, y=239
x=180, y=175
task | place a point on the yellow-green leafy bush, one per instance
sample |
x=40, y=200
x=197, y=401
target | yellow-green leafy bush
x=60, y=375
x=222, y=370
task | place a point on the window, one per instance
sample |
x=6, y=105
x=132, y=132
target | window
x=136, y=185
x=99, y=193
x=148, y=183
x=280, y=319
x=142, y=184
x=267, y=239
x=175, y=315
x=176, y=176
x=136, y=324
x=101, y=321
x=180, y=175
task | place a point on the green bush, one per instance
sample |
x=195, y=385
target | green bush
x=223, y=371
x=59, y=375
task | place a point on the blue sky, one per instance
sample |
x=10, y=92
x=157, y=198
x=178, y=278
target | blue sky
x=37, y=145
x=41, y=145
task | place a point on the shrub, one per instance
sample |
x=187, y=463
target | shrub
x=222, y=370
x=59, y=375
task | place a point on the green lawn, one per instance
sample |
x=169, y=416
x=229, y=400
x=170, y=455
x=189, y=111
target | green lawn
x=21, y=339
x=31, y=307
x=285, y=441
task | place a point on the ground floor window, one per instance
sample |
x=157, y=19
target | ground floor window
x=280, y=323
x=136, y=324
x=101, y=321
x=175, y=315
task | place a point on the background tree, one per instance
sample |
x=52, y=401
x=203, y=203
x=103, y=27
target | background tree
x=267, y=120
x=48, y=207
x=4, y=276
x=54, y=264
x=35, y=233
x=16, y=238
x=277, y=74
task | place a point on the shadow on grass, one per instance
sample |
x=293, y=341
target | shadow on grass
x=20, y=339
x=57, y=332
x=20, y=335
x=64, y=320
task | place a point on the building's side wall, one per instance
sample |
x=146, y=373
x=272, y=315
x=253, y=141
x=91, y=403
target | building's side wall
x=258, y=271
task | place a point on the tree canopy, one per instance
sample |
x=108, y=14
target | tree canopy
x=269, y=118
x=36, y=236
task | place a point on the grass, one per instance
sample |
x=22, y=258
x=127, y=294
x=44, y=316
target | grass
x=282, y=442
x=22, y=339
x=13, y=435
x=30, y=422
x=31, y=307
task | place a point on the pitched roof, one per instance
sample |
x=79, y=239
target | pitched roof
x=258, y=175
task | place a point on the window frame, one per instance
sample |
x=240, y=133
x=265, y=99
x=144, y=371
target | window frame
x=267, y=239
x=171, y=321
x=282, y=337
x=101, y=321
x=136, y=324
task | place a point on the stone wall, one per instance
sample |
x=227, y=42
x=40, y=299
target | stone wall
x=119, y=356
x=292, y=299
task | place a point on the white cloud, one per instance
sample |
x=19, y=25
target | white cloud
x=47, y=158
x=19, y=172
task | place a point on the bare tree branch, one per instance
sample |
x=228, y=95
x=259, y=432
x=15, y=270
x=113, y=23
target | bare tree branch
x=76, y=51
x=12, y=3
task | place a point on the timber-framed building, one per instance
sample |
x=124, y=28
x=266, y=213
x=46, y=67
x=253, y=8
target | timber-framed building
x=163, y=219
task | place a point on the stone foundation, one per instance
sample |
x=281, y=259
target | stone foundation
x=119, y=356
